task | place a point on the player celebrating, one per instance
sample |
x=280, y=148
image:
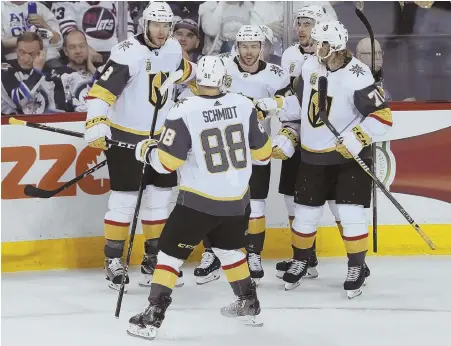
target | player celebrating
x=211, y=138
x=121, y=106
x=285, y=142
x=327, y=170
x=249, y=75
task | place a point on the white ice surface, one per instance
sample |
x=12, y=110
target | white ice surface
x=407, y=302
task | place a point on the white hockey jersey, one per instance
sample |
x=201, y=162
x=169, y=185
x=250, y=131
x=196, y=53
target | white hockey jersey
x=97, y=19
x=267, y=81
x=212, y=140
x=352, y=99
x=128, y=83
x=75, y=85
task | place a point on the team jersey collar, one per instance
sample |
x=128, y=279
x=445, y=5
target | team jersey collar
x=346, y=63
x=212, y=97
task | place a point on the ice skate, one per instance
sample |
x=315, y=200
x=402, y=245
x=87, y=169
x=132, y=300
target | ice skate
x=208, y=269
x=146, y=324
x=114, y=271
x=254, y=261
x=246, y=308
x=148, y=265
x=294, y=275
x=354, y=281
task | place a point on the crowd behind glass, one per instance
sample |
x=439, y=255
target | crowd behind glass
x=52, y=52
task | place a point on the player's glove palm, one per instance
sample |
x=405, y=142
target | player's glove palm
x=353, y=142
x=285, y=143
x=144, y=148
x=97, y=131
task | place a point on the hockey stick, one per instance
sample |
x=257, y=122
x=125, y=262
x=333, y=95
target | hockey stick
x=368, y=27
x=33, y=191
x=322, y=91
x=142, y=187
x=14, y=121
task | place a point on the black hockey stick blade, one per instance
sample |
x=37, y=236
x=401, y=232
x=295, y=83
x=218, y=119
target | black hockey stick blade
x=33, y=191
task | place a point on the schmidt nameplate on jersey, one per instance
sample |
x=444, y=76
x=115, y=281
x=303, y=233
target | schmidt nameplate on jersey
x=220, y=114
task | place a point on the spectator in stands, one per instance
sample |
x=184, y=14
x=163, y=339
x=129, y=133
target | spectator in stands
x=16, y=19
x=186, y=32
x=26, y=85
x=74, y=80
x=185, y=10
x=270, y=14
x=363, y=53
x=220, y=21
x=88, y=16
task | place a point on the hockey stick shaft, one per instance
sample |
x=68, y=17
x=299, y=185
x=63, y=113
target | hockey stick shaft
x=368, y=27
x=33, y=191
x=14, y=121
x=323, y=116
x=142, y=187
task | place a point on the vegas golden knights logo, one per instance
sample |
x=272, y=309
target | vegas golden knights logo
x=228, y=81
x=155, y=82
x=313, y=109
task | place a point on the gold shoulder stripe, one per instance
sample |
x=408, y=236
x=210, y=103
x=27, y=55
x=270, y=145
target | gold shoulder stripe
x=168, y=161
x=383, y=115
x=262, y=153
x=193, y=87
x=100, y=92
x=187, y=69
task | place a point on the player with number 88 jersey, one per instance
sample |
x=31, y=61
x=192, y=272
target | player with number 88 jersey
x=121, y=106
x=212, y=139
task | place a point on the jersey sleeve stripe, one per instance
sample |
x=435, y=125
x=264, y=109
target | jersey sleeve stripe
x=263, y=153
x=101, y=93
x=185, y=65
x=383, y=115
x=170, y=162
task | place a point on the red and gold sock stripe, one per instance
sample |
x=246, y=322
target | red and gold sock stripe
x=152, y=229
x=356, y=244
x=165, y=275
x=236, y=271
x=114, y=230
x=301, y=240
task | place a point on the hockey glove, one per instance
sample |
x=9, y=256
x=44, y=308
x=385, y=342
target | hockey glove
x=271, y=104
x=285, y=143
x=353, y=142
x=96, y=132
x=144, y=148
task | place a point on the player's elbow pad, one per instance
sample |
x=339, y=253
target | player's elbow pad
x=96, y=108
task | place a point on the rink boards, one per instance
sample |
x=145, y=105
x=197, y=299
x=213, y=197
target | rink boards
x=66, y=231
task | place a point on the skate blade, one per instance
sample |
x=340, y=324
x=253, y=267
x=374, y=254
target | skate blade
x=351, y=294
x=148, y=333
x=291, y=286
x=251, y=321
x=117, y=287
x=213, y=276
x=312, y=273
x=279, y=274
x=256, y=281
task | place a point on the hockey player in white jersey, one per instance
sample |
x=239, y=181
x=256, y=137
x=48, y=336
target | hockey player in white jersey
x=250, y=76
x=121, y=106
x=327, y=170
x=210, y=138
x=285, y=143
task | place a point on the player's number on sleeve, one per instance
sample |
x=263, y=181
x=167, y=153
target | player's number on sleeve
x=168, y=136
x=215, y=152
x=107, y=73
x=59, y=13
x=376, y=96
